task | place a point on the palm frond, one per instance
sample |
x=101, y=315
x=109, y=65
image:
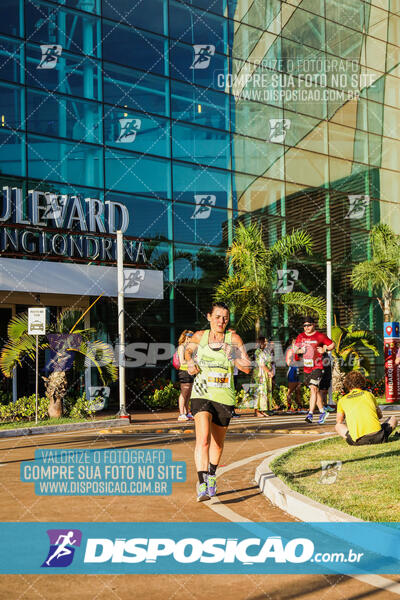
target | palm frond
x=17, y=326
x=15, y=350
x=102, y=357
x=291, y=245
x=301, y=303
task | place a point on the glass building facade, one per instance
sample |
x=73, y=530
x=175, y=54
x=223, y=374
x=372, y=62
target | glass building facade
x=199, y=115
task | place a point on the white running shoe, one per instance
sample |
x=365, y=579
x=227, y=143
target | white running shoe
x=183, y=418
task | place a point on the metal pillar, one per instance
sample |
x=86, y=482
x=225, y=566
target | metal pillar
x=121, y=325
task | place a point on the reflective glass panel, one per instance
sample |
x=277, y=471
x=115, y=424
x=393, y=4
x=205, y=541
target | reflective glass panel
x=148, y=217
x=191, y=181
x=201, y=145
x=10, y=106
x=68, y=74
x=134, y=48
x=128, y=130
x=11, y=15
x=199, y=105
x=137, y=174
x=64, y=117
x=187, y=24
x=146, y=14
x=67, y=162
x=12, y=153
x=11, y=60
x=55, y=25
x=135, y=89
x=201, y=224
x=197, y=64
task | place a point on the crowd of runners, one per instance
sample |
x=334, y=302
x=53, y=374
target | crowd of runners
x=208, y=362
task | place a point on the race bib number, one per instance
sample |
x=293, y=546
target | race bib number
x=219, y=380
x=308, y=362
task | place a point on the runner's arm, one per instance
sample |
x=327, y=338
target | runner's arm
x=340, y=417
x=190, y=349
x=241, y=361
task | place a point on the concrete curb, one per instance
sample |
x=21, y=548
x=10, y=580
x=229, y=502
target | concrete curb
x=43, y=429
x=298, y=506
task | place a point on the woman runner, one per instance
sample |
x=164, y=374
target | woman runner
x=211, y=356
x=262, y=376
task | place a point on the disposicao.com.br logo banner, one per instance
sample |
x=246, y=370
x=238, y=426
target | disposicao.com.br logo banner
x=212, y=548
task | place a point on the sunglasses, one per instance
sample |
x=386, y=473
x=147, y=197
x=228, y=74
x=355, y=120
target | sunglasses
x=308, y=324
x=189, y=334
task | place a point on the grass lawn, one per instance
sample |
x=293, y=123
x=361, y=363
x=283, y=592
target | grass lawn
x=367, y=486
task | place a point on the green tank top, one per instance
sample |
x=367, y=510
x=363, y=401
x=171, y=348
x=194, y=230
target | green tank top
x=215, y=380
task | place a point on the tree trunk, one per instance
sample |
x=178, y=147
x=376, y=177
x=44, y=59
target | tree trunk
x=337, y=377
x=56, y=387
x=258, y=328
x=387, y=308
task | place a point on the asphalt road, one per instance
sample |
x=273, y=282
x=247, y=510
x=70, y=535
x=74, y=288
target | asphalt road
x=238, y=498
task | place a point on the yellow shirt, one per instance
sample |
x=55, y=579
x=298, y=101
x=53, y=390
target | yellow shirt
x=359, y=408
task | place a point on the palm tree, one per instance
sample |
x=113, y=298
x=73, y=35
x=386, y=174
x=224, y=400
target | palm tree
x=348, y=345
x=68, y=344
x=381, y=273
x=252, y=267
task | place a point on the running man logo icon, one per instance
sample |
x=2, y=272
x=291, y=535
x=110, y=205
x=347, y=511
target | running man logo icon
x=98, y=396
x=62, y=547
x=133, y=280
x=330, y=471
x=202, y=56
x=204, y=204
x=50, y=55
x=128, y=130
x=286, y=280
x=278, y=129
x=357, y=206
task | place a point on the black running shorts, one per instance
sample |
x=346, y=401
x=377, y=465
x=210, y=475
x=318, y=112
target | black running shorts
x=221, y=413
x=313, y=378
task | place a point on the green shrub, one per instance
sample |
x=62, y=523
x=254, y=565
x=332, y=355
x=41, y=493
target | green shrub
x=24, y=409
x=5, y=397
x=165, y=397
x=77, y=408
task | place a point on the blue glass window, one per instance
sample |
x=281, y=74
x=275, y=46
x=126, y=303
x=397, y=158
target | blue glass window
x=197, y=64
x=67, y=162
x=11, y=14
x=91, y=6
x=215, y=6
x=10, y=106
x=193, y=26
x=148, y=217
x=12, y=149
x=11, y=60
x=127, y=130
x=69, y=75
x=202, y=223
x=146, y=14
x=64, y=117
x=202, y=106
x=191, y=180
x=135, y=174
x=50, y=24
x=135, y=89
x=134, y=48
x=201, y=145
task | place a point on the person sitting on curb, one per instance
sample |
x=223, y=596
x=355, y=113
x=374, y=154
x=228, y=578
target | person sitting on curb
x=362, y=414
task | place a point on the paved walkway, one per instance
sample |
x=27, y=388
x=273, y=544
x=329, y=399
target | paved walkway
x=238, y=499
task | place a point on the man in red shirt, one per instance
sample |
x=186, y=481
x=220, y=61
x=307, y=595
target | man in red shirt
x=311, y=345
